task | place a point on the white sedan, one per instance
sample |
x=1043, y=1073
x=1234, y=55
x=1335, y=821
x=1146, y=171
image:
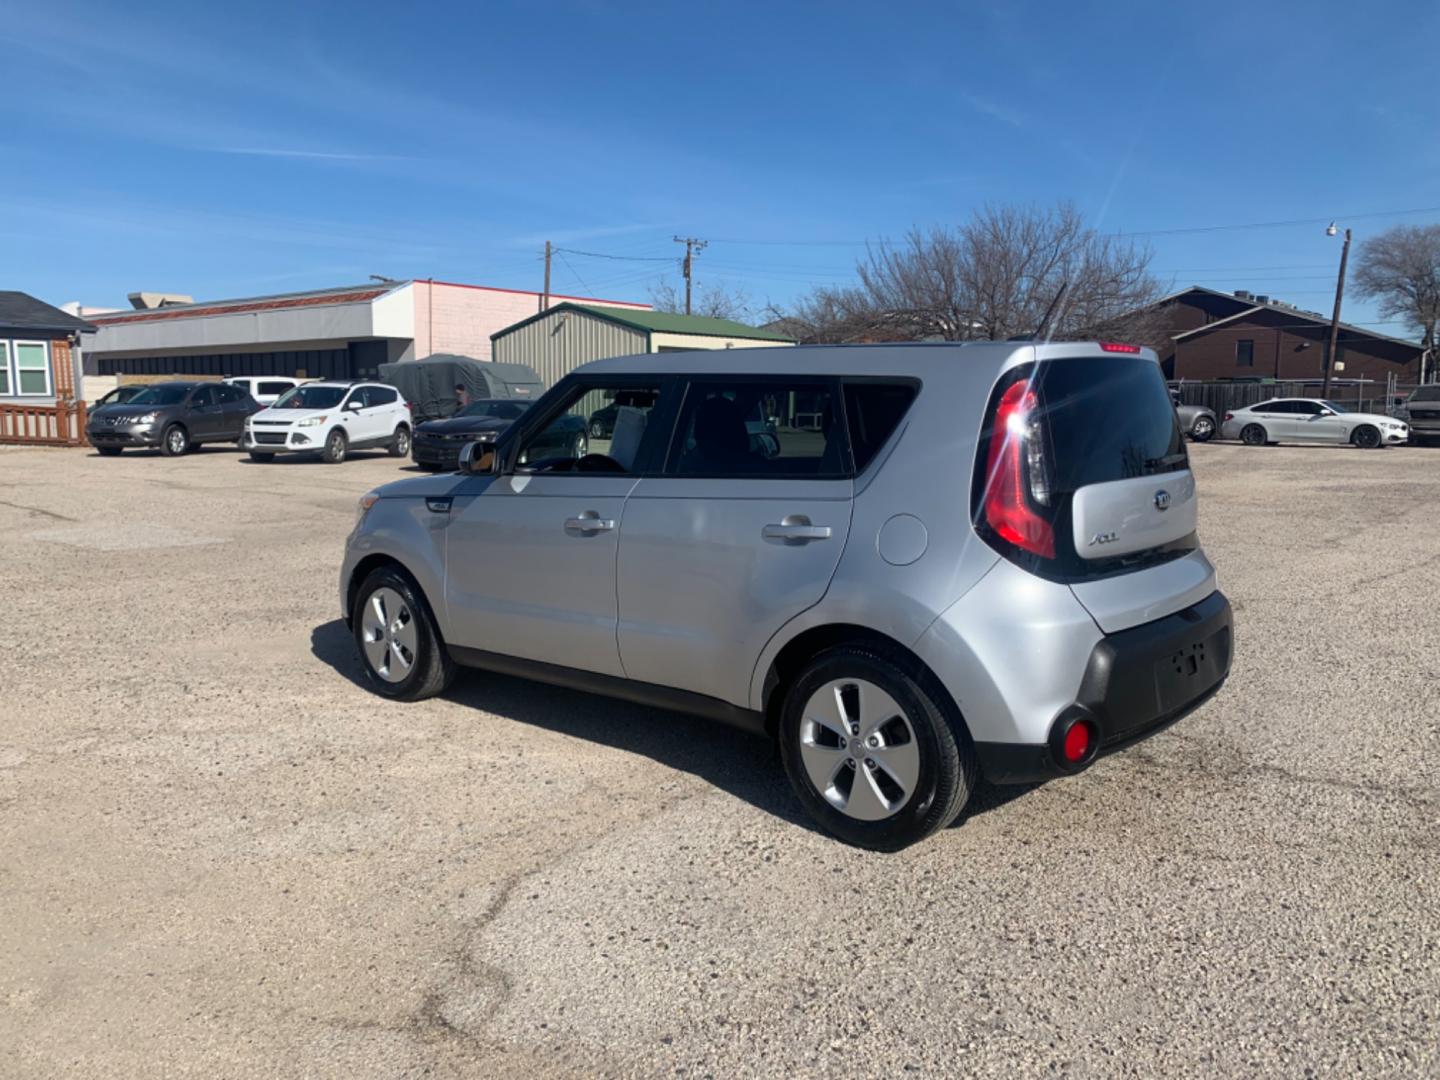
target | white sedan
x=1310, y=420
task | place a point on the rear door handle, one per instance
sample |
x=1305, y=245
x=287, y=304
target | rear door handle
x=796, y=529
x=589, y=522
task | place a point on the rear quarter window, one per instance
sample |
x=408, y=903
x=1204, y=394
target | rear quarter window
x=874, y=411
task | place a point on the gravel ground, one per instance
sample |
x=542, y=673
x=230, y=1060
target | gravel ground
x=220, y=856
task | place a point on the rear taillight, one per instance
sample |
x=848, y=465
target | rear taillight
x=1229, y=416
x=1016, y=474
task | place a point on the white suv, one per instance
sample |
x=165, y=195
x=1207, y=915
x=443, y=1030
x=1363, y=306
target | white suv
x=266, y=389
x=331, y=419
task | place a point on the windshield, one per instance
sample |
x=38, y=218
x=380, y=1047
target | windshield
x=497, y=410
x=1426, y=393
x=311, y=397
x=160, y=395
x=1333, y=407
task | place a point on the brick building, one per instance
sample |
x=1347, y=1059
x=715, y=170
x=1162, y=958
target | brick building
x=1241, y=336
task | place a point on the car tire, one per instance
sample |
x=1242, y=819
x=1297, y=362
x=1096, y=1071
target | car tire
x=1254, y=435
x=400, y=444
x=261, y=458
x=336, y=446
x=109, y=451
x=1203, y=429
x=400, y=646
x=1366, y=437
x=908, y=793
x=175, y=441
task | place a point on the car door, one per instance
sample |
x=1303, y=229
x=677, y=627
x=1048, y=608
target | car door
x=530, y=554
x=356, y=417
x=383, y=412
x=235, y=406
x=205, y=415
x=740, y=532
x=1317, y=423
x=1277, y=418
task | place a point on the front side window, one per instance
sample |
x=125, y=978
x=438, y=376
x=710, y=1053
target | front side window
x=600, y=429
x=759, y=429
x=1334, y=407
x=203, y=396
x=32, y=368
x=160, y=395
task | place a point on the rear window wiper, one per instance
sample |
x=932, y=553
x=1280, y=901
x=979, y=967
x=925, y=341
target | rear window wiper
x=1168, y=459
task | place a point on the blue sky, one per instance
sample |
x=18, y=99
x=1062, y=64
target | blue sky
x=236, y=150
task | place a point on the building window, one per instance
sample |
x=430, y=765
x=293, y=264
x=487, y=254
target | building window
x=1245, y=353
x=4, y=368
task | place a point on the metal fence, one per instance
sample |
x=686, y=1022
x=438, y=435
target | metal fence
x=1359, y=395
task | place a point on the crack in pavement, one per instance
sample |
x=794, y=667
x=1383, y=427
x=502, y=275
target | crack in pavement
x=38, y=510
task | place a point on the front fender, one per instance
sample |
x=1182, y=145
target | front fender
x=408, y=532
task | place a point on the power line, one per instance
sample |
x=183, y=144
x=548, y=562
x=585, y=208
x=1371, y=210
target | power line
x=620, y=258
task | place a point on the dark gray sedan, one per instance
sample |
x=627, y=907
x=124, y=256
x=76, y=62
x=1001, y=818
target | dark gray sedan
x=174, y=416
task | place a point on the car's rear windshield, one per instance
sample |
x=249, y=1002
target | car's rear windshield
x=1426, y=393
x=1108, y=418
x=311, y=397
x=160, y=395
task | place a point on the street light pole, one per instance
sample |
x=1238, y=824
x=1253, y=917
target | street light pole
x=1335, y=318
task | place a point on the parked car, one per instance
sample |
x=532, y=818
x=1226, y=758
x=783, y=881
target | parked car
x=1423, y=408
x=1196, y=421
x=1311, y=420
x=175, y=416
x=266, y=389
x=437, y=442
x=119, y=396
x=982, y=562
x=331, y=419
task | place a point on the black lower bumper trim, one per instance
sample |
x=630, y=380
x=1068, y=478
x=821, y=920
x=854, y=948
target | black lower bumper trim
x=1137, y=682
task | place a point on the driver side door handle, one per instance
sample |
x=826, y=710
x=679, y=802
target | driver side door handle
x=589, y=522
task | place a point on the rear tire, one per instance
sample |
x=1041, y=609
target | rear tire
x=855, y=716
x=1253, y=435
x=400, y=646
x=1366, y=437
x=335, y=448
x=1203, y=430
x=400, y=444
x=109, y=451
x=175, y=441
x=580, y=447
x=261, y=458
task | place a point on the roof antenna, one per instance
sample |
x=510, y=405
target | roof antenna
x=1043, y=330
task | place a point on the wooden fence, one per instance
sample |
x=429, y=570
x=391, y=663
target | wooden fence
x=61, y=424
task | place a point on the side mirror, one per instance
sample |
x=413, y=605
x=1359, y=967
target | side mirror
x=477, y=458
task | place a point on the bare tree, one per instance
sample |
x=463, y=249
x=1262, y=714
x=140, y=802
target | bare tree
x=1401, y=269
x=993, y=278
x=713, y=301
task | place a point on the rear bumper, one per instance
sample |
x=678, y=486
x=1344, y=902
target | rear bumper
x=1137, y=682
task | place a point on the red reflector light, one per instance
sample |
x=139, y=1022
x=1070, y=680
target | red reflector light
x=1077, y=742
x=1119, y=346
x=1229, y=416
x=1007, y=509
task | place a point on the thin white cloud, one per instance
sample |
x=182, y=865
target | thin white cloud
x=312, y=155
x=993, y=109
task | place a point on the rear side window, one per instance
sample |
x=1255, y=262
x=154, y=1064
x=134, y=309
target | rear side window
x=873, y=411
x=380, y=395
x=275, y=388
x=769, y=429
x=1108, y=418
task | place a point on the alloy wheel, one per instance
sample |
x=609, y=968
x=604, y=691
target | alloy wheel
x=859, y=749
x=390, y=637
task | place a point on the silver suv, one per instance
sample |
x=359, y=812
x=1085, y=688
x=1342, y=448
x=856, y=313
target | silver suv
x=912, y=565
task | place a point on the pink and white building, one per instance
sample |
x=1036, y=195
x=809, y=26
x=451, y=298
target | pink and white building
x=326, y=333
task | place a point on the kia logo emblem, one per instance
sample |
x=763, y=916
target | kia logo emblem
x=1162, y=500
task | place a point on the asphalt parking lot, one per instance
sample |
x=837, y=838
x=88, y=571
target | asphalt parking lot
x=220, y=856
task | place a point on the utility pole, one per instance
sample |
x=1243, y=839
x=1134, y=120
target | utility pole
x=693, y=247
x=1335, y=319
x=545, y=296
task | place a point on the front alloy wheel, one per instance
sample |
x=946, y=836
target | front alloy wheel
x=334, y=452
x=1202, y=429
x=175, y=441
x=399, y=642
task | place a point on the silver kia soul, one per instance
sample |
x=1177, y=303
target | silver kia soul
x=912, y=565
